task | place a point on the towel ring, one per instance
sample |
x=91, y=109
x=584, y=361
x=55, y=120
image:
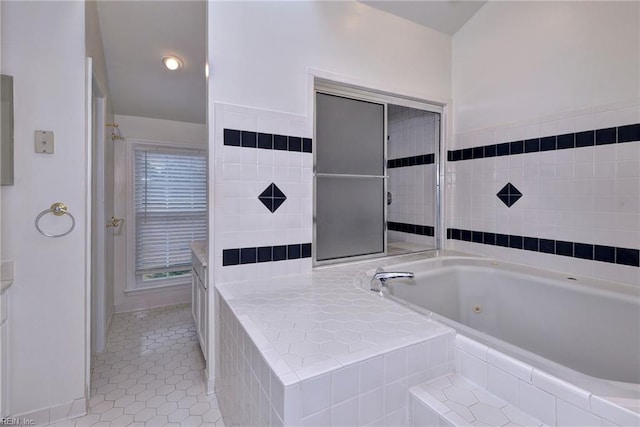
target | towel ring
x=58, y=209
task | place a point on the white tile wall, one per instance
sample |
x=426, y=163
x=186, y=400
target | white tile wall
x=587, y=195
x=539, y=394
x=453, y=400
x=275, y=367
x=241, y=174
x=411, y=132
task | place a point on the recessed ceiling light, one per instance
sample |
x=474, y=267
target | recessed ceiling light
x=173, y=63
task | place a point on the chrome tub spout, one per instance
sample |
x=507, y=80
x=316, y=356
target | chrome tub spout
x=380, y=278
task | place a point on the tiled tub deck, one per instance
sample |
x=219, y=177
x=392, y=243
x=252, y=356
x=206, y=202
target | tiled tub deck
x=317, y=350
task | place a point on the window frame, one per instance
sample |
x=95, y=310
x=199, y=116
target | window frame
x=134, y=281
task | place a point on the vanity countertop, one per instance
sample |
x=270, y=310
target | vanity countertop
x=199, y=248
x=313, y=323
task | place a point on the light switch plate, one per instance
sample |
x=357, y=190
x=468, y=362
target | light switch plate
x=44, y=141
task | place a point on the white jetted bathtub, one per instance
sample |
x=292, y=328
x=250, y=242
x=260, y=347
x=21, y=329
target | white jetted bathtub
x=584, y=331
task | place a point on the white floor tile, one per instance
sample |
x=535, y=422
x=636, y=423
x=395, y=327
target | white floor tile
x=150, y=374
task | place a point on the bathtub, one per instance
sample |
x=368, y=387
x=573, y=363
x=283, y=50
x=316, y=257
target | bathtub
x=584, y=331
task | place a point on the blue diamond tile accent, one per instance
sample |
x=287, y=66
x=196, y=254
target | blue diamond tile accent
x=272, y=197
x=509, y=194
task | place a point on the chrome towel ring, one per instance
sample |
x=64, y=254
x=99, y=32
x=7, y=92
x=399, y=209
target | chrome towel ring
x=58, y=209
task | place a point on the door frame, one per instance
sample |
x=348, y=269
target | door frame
x=93, y=235
x=99, y=220
x=87, y=222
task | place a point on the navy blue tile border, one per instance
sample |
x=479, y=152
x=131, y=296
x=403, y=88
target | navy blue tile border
x=423, y=230
x=423, y=159
x=260, y=254
x=619, y=135
x=610, y=254
x=266, y=141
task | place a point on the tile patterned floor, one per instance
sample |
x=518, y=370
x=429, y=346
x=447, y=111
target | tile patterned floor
x=151, y=374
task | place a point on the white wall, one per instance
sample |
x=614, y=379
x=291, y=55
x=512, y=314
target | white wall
x=515, y=61
x=260, y=51
x=148, y=129
x=43, y=47
x=162, y=130
x=524, y=70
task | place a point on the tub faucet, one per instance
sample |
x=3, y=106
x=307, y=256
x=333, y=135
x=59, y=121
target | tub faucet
x=380, y=277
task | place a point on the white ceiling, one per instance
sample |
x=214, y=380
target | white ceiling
x=446, y=16
x=136, y=36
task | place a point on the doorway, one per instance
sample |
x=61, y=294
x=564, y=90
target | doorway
x=376, y=180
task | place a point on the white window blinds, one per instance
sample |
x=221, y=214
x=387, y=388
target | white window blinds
x=170, y=208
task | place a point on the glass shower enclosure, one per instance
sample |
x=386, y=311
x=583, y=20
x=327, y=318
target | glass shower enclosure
x=375, y=155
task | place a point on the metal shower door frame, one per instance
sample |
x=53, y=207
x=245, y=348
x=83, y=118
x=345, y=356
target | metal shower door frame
x=328, y=87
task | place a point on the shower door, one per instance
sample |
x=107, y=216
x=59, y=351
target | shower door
x=350, y=178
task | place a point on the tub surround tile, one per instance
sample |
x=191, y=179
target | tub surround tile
x=612, y=135
x=615, y=413
x=422, y=230
x=346, y=413
x=570, y=393
x=588, y=251
x=580, y=187
x=472, y=347
x=502, y=384
x=417, y=359
x=262, y=254
x=315, y=395
x=398, y=418
x=253, y=149
x=266, y=141
x=510, y=365
x=460, y=402
x=471, y=367
x=422, y=159
x=371, y=406
x=344, y=383
x=570, y=415
x=538, y=403
x=509, y=195
x=540, y=394
x=371, y=373
x=272, y=197
x=322, y=418
x=629, y=133
x=335, y=342
x=272, y=338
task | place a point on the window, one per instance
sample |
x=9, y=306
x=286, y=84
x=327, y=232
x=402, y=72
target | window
x=170, y=207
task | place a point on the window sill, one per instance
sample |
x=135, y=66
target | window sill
x=149, y=289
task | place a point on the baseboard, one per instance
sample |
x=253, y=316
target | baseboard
x=154, y=299
x=210, y=386
x=53, y=414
